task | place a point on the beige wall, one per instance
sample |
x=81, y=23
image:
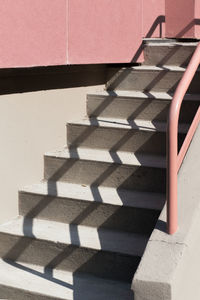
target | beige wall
x=31, y=124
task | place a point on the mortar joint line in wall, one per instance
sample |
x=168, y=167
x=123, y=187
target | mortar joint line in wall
x=67, y=31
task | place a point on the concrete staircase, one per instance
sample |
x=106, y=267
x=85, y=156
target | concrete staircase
x=82, y=231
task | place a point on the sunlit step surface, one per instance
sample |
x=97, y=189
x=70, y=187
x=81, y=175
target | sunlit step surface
x=25, y=281
x=79, y=235
x=118, y=157
x=131, y=105
x=100, y=194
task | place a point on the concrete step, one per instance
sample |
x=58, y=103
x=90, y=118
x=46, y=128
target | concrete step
x=102, y=155
x=81, y=205
x=81, y=249
x=28, y=282
x=103, y=195
x=97, y=168
x=69, y=258
x=125, y=243
x=129, y=105
x=138, y=136
x=43, y=199
x=149, y=78
x=160, y=53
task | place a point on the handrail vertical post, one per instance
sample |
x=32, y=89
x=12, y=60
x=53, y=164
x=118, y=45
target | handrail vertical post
x=174, y=158
x=172, y=205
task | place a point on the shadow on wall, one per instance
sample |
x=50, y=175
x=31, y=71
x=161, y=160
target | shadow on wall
x=157, y=23
x=70, y=257
x=188, y=27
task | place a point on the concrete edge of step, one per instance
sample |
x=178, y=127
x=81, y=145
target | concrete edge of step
x=126, y=243
x=104, y=156
x=153, y=68
x=59, y=286
x=168, y=42
x=109, y=195
x=136, y=124
x=152, y=95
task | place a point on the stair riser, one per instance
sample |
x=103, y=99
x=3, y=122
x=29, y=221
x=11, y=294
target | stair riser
x=131, y=108
x=117, y=139
x=148, y=80
x=67, y=257
x=87, y=213
x=176, y=55
x=106, y=174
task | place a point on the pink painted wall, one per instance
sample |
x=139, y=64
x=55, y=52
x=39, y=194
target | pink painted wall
x=104, y=30
x=197, y=19
x=153, y=18
x=111, y=30
x=56, y=32
x=32, y=32
x=183, y=18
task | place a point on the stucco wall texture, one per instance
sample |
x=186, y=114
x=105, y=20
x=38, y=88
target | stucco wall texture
x=182, y=18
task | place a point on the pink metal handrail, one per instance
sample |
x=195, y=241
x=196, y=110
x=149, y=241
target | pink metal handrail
x=175, y=159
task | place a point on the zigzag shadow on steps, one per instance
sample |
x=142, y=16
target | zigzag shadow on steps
x=21, y=245
x=46, y=275
x=117, y=75
x=79, y=290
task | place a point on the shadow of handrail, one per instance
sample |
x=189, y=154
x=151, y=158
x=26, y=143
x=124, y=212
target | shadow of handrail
x=20, y=246
x=187, y=28
x=158, y=22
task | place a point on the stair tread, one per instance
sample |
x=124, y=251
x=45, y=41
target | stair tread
x=119, y=157
x=171, y=68
x=106, y=195
x=61, y=284
x=143, y=95
x=170, y=43
x=137, y=124
x=78, y=235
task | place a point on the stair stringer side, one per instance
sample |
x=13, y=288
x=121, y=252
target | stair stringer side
x=169, y=268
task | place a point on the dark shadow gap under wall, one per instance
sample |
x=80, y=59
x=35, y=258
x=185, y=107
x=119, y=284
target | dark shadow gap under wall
x=19, y=80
